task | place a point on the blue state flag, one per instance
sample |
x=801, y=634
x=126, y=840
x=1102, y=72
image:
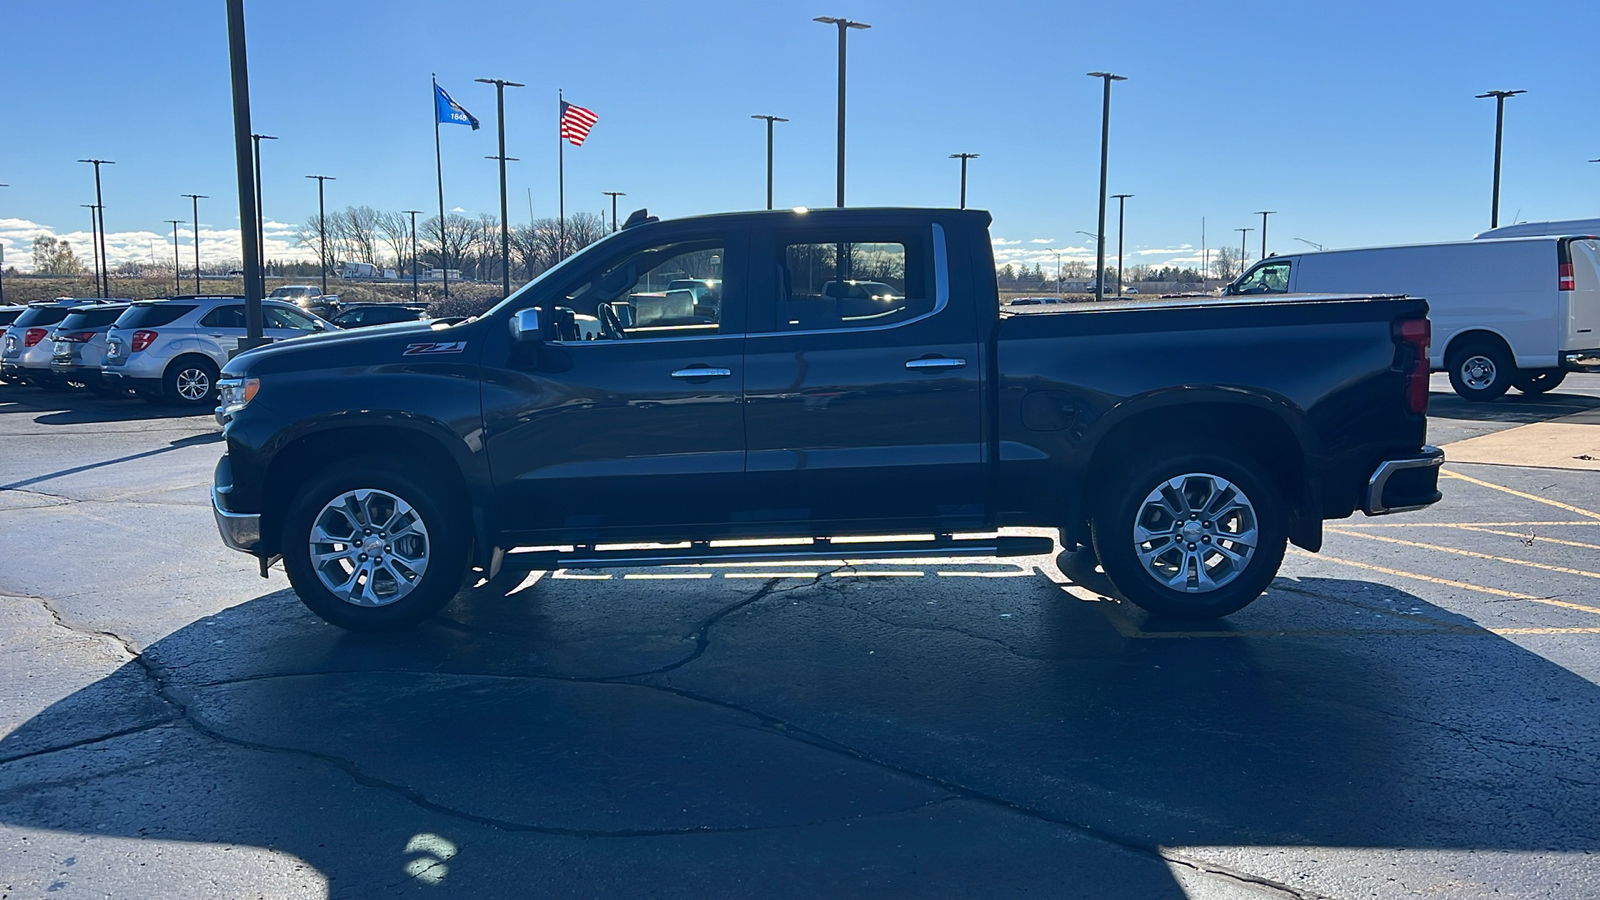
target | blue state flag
x=451, y=112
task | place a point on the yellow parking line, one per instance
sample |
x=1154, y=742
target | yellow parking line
x=1545, y=630
x=1515, y=493
x=655, y=577
x=1510, y=595
x=1538, y=538
x=563, y=573
x=1012, y=574
x=769, y=575
x=1472, y=553
x=879, y=574
x=1410, y=524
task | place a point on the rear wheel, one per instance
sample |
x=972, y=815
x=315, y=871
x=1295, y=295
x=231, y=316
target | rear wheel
x=1481, y=370
x=1538, y=381
x=191, y=381
x=1197, y=535
x=374, y=544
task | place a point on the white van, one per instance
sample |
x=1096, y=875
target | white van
x=1517, y=312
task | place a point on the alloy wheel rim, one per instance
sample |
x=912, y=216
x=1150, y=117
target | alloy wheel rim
x=1478, y=372
x=369, y=547
x=1195, y=533
x=193, y=384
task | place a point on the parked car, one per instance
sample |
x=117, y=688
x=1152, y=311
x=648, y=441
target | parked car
x=80, y=346
x=1184, y=443
x=366, y=314
x=1515, y=312
x=172, y=350
x=25, y=351
x=308, y=298
x=8, y=314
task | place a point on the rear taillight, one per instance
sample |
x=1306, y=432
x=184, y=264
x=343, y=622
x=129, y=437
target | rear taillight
x=1565, y=280
x=33, y=336
x=76, y=337
x=141, y=340
x=1415, y=334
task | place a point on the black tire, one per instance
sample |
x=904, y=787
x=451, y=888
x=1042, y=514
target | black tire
x=1481, y=369
x=1123, y=504
x=184, y=376
x=1539, y=381
x=448, y=544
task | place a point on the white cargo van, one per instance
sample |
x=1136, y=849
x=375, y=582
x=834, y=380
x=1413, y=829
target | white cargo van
x=1516, y=312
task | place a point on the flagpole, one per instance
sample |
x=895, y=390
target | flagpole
x=438, y=163
x=561, y=173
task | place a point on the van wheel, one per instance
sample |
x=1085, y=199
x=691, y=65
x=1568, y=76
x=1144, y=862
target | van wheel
x=375, y=544
x=1539, y=381
x=191, y=381
x=1481, y=370
x=1195, y=536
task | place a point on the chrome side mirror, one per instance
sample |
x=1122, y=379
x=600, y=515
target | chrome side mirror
x=525, y=325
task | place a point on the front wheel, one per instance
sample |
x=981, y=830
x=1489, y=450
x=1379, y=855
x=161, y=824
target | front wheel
x=1539, y=381
x=373, y=544
x=1195, y=536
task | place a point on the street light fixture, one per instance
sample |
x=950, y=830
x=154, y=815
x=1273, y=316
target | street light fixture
x=322, y=229
x=261, y=238
x=844, y=26
x=196, y=198
x=1263, y=214
x=1105, y=146
x=500, y=86
x=963, y=157
x=1122, y=200
x=1310, y=243
x=1499, y=131
x=100, y=208
x=770, y=120
x=615, y=194
x=177, y=267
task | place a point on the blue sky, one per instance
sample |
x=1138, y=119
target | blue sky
x=1356, y=121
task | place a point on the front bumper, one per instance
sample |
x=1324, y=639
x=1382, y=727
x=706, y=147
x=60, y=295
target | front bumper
x=240, y=531
x=1581, y=360
x=1404, y=484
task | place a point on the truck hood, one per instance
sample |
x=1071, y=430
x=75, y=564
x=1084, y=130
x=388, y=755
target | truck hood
x=376, y=344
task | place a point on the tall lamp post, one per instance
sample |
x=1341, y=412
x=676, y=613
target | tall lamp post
x=415, y=290
x=615, y=194
x=1263, y=214
x=177, y=267
x=500, y=85
x=1122, y=200
x=770, y=120
x=3, y=266
x=196, y=198
x=94, y=242
x=963, y=157
x=322, y=228
x=104, y=289
x=261, y=236
x=1058, y=266
x=1105, y=147
x=844, y=26
x=1499, y=131
x=1243, y=233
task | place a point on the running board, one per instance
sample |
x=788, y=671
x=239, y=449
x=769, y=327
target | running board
x=699, y=552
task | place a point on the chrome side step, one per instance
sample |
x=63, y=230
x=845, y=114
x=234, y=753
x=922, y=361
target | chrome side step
x=700, y=552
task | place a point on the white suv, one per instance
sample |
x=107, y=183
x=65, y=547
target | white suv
x=174, y=349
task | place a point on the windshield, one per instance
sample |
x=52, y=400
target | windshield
x=91, y=318
x=42, y=315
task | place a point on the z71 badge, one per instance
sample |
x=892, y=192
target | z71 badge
x=434, y=347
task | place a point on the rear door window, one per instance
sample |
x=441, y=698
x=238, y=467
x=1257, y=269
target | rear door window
x=152, y=315
x=224, y=317
x=852, y=279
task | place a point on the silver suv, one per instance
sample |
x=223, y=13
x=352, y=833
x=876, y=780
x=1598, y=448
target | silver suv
x=80, y=345
x=25, y=350
x=173, y=349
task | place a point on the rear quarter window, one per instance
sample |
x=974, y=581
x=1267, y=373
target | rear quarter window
x=153, y=315
x=94, y=318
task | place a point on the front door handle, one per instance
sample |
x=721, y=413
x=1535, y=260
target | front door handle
x=940, y=362
x=694, y=372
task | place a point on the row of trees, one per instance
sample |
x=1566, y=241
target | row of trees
x=363, y=234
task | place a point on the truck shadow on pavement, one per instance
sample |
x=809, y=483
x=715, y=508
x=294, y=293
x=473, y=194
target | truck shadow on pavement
x=1513, y=408
x=822, y=736
x=80, y=407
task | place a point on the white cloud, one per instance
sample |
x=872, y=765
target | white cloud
x=1002, y=242
x=1042, y=241
x=217, y=245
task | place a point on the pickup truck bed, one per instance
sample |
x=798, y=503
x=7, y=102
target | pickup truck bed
x=845, y=372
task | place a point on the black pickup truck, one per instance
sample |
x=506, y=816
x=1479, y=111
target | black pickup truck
x=758, y=385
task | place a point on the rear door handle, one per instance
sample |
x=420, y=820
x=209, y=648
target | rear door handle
x=694, y=372
x=941, y=362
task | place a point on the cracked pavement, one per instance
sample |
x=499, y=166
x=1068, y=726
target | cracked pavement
x=172, y=725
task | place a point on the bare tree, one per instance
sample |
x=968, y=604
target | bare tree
x=395, y=228
x=355, y=228
x=454, y=237
x=52, y=256
x=1226, y=263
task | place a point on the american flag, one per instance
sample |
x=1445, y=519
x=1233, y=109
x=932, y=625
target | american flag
x=576, y=122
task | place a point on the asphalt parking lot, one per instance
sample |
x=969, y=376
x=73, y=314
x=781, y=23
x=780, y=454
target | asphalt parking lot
x=1413, y=712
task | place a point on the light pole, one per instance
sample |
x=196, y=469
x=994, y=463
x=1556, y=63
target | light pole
x=1105, y=147
x=3, y=266
x=1310, y=243
x=261, y=238
x=770, y=120
x=615, y=194
x=100, y=208
x=1263, y=214
x=963, y=157
x=415, y=291
x=196, y=198
x=844, y=26
x=1058, y=267
x=177, y=269
x=1096, y=238
x=1243, y=233
x=322, y=228
x=1122, y=200
x=1499, y=130
x=500, y=86
x=94, y=234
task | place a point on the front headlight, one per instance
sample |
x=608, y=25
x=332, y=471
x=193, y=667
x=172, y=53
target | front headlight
x=234, y=394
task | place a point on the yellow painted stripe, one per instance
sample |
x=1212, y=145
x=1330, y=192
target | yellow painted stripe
x=1410, y=524
x=1545, y=630
x=655, y=577
x=770, y=575
x=1511, y=595
x=878, y=574
x=1472, y=553
x=1011, y=574
x=1538, y=538
x=1526, y=496
x=563, y=573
